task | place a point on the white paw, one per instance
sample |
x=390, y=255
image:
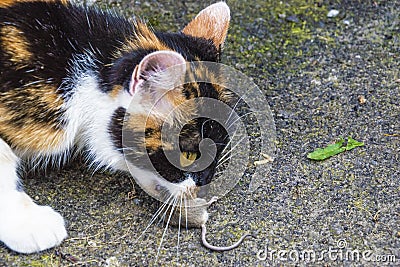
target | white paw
x=26, y=227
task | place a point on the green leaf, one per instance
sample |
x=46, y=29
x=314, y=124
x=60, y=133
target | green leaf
x=334, y=149
x=329, y=151
x=351, y=143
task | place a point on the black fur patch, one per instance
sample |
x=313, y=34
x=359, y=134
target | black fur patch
x=115, y=127
x=56, y=33
x=190, y=47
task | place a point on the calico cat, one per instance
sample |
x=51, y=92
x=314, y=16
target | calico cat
x=69, y=74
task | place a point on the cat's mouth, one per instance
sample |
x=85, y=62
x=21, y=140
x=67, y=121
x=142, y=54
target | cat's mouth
x=182, y=206
x=186, y=190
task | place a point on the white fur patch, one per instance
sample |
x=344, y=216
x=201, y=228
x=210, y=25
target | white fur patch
x=26, y=227
x=150, y=181
x=8, y=166
x=88, y=113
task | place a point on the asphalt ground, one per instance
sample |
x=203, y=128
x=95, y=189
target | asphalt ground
x=315, y=72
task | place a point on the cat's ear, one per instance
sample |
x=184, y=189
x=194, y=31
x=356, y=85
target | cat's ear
x=161, y=68
x=211, y=23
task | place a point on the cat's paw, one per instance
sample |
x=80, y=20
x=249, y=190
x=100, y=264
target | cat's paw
x=26, y=227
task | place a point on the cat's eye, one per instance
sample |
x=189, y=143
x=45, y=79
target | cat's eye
x=187, y=158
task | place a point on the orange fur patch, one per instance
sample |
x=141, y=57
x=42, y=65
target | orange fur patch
x=203, y=73
x=7, y=3
x=139, y=122
x=32, y=136
x=144, y=38
x=116, y=90
x=183, y=109
x=34, y=95
x=14, y=43
x=21, y=129
x=211, y=24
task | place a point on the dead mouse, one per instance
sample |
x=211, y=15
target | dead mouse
x=196, y=216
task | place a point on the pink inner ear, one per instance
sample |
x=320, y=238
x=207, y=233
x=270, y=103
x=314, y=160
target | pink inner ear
x=135, y=81
x=153, y=63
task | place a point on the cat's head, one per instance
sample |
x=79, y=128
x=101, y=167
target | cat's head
x=165, y=122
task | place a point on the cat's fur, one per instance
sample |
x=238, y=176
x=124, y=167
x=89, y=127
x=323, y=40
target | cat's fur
x=68, y=75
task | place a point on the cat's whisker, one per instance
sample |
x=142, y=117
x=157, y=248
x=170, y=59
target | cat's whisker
x=179, y=226
x=226, y=146
x=173, y=206
x=224, y=158
x=228, y=153
x=233, y=109
x=239, y=118
x=218, y=173
x=155, y=216
x=229, y=142
x=161, y=220
x=219, y=168
x=161, y=209
x=186, y=213
x=191, y=195
x=220, y=163
x=169, y=203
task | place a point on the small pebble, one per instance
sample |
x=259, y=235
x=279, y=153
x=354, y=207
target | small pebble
x=362, y=99
x=112, y=262
x=293, y=18
x=332, y=13
x=92, y=243
x=282, y=16
x=137, y=201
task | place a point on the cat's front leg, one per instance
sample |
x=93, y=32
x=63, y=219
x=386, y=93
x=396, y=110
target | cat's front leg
x=25, y=227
